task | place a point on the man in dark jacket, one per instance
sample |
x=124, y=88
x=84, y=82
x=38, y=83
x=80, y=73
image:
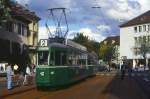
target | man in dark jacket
x=123, y=70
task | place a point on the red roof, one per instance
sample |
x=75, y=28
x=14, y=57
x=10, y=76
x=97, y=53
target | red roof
x=19, y=10
x=111, y=39
x=142, y=19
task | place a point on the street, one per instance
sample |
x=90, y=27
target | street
x=98, y=87
x=62, y=43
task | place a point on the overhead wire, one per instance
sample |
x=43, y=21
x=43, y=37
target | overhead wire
x=57, y=22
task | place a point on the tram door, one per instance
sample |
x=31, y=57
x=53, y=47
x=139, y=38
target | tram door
x=43, y=58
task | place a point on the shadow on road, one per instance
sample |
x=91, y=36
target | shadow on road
x=124, y=89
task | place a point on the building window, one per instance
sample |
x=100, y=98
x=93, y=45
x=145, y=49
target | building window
x=149, y=40
x=9, y=26
x=25, y=30
x=140, y=29
x=22, y=29
x=144, y=28
x=15, y=28
x=19, y=28
x=136, y=40
x=140, y=39
x=135, y=29
x=148, y=28
x=144, y=39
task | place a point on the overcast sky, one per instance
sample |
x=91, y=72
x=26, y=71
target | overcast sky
x=95, y=23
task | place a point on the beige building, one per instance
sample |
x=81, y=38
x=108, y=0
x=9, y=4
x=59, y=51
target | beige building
x=33, y=39
x=19, y=36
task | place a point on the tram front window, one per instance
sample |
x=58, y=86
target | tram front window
x=43, y=58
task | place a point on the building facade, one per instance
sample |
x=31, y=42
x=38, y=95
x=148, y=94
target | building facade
x=135, y=40
x=19, y=36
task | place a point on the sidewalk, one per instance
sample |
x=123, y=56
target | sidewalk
x=4, y=92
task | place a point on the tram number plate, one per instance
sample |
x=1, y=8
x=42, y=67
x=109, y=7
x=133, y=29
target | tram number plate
x=43, y=42
x=42, y=73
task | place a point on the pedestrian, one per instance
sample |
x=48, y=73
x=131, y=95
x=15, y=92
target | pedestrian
x=27, y=74
x=9, y=76
x=33, y=69
x=129, y=69
x=20, y=79
x=2, y=68
x=123, y=70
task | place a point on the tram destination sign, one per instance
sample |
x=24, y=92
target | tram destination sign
x=44, y=42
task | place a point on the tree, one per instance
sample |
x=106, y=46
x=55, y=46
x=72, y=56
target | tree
x=85, y=41
x=80, y=38
x=102, y=51
x=142, y=47
x=4, y=11
x=107, y=52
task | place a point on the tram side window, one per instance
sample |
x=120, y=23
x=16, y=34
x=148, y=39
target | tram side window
x=43, y=58
x=52, y=59
x=60, y=58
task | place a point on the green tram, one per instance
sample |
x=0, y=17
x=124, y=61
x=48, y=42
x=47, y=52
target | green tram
x=62, y=64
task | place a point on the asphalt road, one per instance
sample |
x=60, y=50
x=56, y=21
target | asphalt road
x=98, y=87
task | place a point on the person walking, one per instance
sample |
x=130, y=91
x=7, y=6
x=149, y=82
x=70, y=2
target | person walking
x=2, y=69
x=9, y=76
x=123, y=70
x=27, y=74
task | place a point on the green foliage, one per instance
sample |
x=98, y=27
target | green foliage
x=4, y=11
x=80, y=38
x=85, y=41
x=103, y=50
x=107, y=52
x=143, y=46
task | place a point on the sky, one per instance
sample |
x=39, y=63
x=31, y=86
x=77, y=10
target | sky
x=96, y=23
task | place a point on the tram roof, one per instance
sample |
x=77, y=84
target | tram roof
x=77, y=50
x=76, y=45
x=58, y=45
